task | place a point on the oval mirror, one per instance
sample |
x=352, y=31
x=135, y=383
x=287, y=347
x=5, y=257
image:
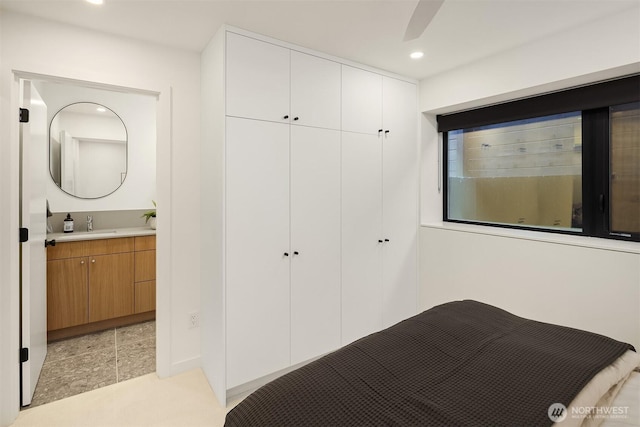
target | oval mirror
x=87, y=150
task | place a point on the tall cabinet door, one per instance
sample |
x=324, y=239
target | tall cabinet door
x=315, y=237
x=257, y=77
x=400, y=200
x=257, y=270
x=361, y=232
x=315, y=91
x=361, y=100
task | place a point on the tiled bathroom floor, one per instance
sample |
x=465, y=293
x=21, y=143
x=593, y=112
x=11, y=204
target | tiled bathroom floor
x=80, y=364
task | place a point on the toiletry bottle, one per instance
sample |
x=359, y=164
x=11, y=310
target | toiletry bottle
x=68, y=224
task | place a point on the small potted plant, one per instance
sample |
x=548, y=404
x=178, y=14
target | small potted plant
x=150, y=216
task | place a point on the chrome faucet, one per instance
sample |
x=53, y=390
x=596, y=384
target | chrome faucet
x=89, y=223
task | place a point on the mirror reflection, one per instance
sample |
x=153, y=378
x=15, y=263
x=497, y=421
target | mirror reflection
x=87, y=150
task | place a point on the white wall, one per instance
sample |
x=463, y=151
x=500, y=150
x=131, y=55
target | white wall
x=138, y=113
x=582, y=287
x=598, y=50
x=586, y=283
x=37, y=46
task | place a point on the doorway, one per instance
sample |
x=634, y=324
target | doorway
x=112, y=354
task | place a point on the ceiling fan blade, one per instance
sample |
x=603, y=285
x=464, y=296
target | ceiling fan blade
x=422, y=15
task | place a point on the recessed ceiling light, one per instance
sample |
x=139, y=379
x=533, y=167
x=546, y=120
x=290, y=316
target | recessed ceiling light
x=416, y=55
x=95, y=1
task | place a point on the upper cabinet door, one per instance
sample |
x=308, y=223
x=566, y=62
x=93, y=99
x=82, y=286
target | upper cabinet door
x=315, y=91
x=257, y=79
x=361, y=100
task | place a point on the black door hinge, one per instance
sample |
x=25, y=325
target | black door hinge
x=24, y=115
x=24, y=355
x=24, y=235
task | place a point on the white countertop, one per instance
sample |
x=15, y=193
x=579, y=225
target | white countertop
x=111, y=233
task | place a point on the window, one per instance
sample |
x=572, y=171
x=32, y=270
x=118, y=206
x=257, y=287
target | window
x=625, y=169
x=566, y=162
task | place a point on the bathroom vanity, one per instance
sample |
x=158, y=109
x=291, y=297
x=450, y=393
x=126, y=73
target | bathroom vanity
x=100, y=280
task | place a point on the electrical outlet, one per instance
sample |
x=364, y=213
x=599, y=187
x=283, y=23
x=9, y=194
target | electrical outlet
x=194, y=320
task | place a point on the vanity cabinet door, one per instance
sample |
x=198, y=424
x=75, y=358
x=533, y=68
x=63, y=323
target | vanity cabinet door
x=111, y=290
x=67, y=292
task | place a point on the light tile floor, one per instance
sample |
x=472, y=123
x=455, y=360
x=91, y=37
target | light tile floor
x=77, y=365
x=184, y=400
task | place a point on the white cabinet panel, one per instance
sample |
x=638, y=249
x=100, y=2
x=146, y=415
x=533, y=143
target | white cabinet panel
x=257, y=236
x=361, y=100
x=315, y=235
x=361, y=231
x=315, y=91
x=400, y=200
x=257, y=77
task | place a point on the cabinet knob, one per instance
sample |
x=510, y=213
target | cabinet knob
x=82, y=262
x=285, y=117
x=379, y=241
x=286, y=254
x=295, y=118
x=93, y=260
x=296, y=253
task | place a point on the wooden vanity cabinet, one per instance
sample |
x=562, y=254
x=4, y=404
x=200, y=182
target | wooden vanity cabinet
x=145, y=274
x=94, y=281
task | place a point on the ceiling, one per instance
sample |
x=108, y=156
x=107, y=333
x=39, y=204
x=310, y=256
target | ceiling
x=366, y=31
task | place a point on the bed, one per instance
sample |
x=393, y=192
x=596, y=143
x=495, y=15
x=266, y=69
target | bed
x=463, y=363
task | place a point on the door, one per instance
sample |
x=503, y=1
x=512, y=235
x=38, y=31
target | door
x=315, y=91
x=33, y=216
x=257, y=249
x=111, y=286
x=361, y=235
x=400, y=201
x=257, y=79
x=361, y=100
x=67, y=293
x=315, y=242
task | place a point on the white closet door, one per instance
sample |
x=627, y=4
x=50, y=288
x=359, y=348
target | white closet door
x=315, y=91
x=315, y=235
x=257, y=236
x=361, y=230
x=257, y=77
x=400, y=201
x=361, y=100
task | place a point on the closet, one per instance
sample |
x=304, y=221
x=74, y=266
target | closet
x=308, y=163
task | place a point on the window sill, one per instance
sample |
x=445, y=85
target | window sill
x=540, y=236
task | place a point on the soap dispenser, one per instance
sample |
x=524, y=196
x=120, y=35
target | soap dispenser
x=68, y=224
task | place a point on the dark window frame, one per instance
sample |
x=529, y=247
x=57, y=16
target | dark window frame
x=594, y=101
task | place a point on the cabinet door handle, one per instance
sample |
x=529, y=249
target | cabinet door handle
x=286, y=254
x=295, y=119
x=379, y=241
x=49, y=242
x=380, y=131
x=386, y=240
x=386, y=132
x=296, y=253
x=285, y=117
